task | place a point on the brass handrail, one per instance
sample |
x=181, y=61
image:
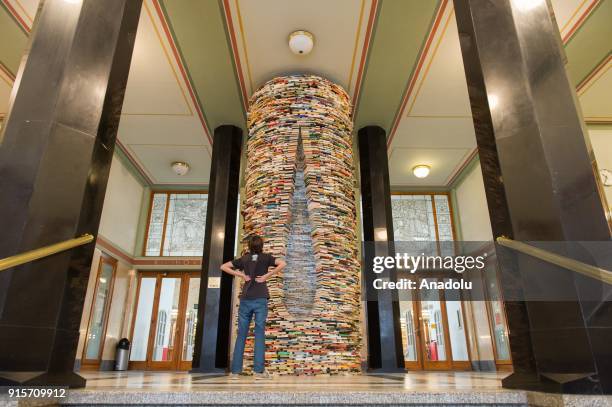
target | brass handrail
x=562, y=261
x=36, y=254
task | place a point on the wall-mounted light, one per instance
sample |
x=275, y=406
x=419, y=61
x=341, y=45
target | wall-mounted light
x=493, y=101
x=421, y=171
x=527, y=5
x=380, y=234
x=180, y=168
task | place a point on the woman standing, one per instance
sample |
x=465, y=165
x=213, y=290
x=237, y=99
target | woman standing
x=255, y=268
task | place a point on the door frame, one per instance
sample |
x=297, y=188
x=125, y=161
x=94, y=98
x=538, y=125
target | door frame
x=177, y=362
x=449, y=364
x=94, y=364
x=438, y=364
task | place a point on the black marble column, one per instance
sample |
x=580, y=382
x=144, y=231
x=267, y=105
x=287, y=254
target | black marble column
x=55, y=156
x=212, y=340
x=382, y=313
x=540, y=186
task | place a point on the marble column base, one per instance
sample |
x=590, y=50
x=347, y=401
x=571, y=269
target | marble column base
x=62, y=379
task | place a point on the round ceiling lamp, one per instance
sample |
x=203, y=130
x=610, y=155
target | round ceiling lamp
x=301, y=42
x=180, y=168
x=421, y=171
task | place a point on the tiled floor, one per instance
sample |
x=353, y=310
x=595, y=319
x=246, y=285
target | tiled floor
x=417, y=381
x=414, y=388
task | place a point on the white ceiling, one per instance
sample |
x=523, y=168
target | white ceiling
x=161, y=122
x=261, y=30
x=436, y=128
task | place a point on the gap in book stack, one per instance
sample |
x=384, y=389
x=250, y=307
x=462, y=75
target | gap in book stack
x=299, y=197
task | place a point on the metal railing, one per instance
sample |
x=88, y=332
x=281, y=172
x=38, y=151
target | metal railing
x=556, y=259
x=36, y=254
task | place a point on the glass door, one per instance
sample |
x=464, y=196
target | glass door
x=100, y=309
x=434, y=334
x=409, y=325
x=164, y=323
x=189, y=324
x=435, y=351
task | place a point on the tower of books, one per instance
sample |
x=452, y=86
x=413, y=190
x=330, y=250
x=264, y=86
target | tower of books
x=300, y=198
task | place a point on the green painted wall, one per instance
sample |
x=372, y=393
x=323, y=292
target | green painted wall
x=199, y=30
x=591, y=44
x=13, y=39
x=401, y=29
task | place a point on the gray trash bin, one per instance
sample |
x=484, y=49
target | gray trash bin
x=122, y=355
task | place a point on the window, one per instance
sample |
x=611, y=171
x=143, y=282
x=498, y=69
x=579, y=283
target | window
x=176, y=224
x=423, y=222
x=425, y=217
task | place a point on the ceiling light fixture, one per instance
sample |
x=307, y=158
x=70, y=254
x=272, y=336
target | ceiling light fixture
x=180, y=168
x=301, y=42
x=421, y=171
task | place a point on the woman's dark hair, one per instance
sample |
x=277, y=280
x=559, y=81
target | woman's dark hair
x=255, y=244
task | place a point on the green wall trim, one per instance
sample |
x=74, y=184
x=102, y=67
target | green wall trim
x=143, y=218
x=599, y=126
x=454, y=202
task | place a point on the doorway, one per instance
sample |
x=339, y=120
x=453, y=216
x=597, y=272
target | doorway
x=163, y=327
x=434, y=334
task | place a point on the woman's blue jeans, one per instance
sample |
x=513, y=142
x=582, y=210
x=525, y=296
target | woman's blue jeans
x=257, y=307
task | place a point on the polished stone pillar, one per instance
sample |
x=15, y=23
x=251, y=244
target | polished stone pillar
x=212, y=340
x=382, y=307
x=55, y=156
x=540, y=186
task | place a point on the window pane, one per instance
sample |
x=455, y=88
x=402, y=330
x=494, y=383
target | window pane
x=142, y=324
x=96, y=326
x=413, y=218
x=185, y=225
x=191, y=318
x=443, y=216
x=167, y=314
x=498, y=317
x=456, y=330
x=413, y=221
x=408, y=331
x=433, y=325
x=156, y=224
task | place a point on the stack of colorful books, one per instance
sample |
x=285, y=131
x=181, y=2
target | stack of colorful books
x=299, y=196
